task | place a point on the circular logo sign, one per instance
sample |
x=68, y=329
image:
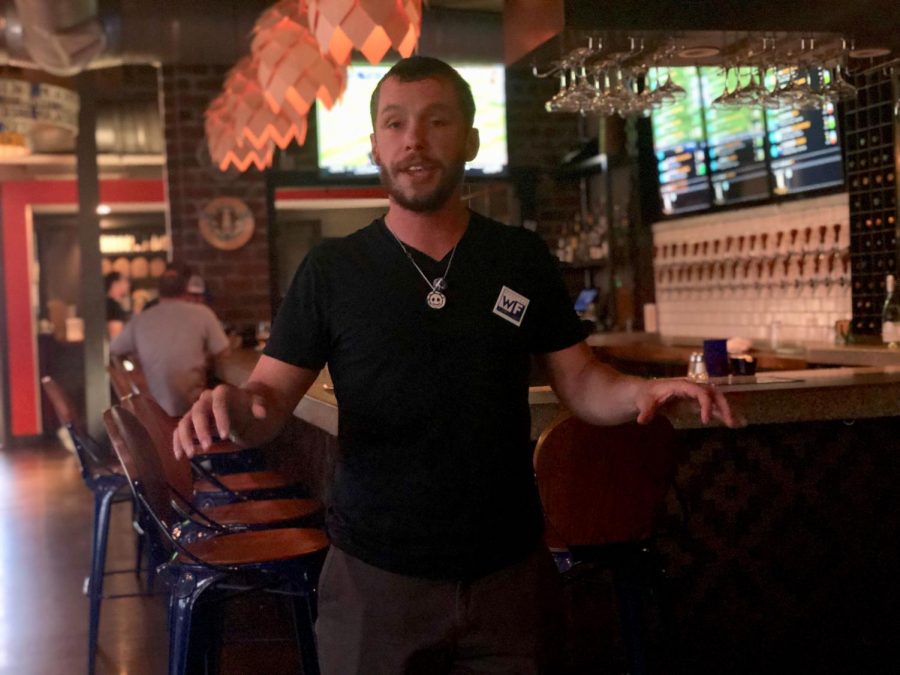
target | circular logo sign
x=226, y=223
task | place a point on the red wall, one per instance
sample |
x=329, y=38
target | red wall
x=15, y=198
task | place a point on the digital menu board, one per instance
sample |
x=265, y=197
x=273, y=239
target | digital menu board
x=736, y=140
x=804, y=147
x=680, y=147
x=710, y=155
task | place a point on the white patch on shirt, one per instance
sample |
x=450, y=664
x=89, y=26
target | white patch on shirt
x=511, y=306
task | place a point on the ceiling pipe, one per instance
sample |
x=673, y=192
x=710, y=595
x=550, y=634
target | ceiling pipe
x=65, y=37
x=59, y=37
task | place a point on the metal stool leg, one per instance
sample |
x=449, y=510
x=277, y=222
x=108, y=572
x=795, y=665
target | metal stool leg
x=102, y=503
x=304, y=630
x=631, y=615
x=189, y=587
x=139, y=544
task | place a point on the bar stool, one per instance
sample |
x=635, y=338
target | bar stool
x=104, y=478
x=603, y=491
x=283, y=560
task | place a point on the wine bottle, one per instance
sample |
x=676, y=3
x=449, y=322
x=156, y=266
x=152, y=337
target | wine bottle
x=890, y=315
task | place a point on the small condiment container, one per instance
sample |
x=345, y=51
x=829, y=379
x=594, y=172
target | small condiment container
x=697, y=368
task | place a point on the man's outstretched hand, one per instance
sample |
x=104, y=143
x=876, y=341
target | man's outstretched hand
x=227, y=411
x=711, y=401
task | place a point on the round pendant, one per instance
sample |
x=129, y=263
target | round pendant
x=436, y=300
x=439, y=284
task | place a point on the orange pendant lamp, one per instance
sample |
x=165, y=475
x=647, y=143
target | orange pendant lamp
x=292, y=72
x=241, y=130
x=371, y=26
x=266, y=97
x=226, y=147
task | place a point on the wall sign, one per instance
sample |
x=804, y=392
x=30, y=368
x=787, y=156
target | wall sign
x=226, y=223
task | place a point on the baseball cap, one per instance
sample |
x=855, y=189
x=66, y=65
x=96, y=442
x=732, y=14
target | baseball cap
x=196, y=285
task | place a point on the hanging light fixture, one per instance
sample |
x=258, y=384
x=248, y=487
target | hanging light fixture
x=267, y=95
x=371, y=26
x=32, y=111
x=239, y=125
x=291, y=70
x=254, y=119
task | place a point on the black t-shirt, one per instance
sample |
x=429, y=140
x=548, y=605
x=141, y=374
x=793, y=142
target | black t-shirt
x=434, y=477
x=114, y=311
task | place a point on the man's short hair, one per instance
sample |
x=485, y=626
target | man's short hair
x=417, y=68
x=110, y=278
x=173, y=282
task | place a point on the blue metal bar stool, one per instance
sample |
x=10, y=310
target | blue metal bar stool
x=282, y=560
x=103, y=476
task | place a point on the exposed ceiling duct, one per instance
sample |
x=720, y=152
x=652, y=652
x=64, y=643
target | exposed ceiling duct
x=66, y=37
x=59, y=37
x=63, y=37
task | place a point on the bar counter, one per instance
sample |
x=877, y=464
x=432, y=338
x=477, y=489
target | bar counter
x=784, y=396
x=779, y=539
x=648, y=348
x=319, y=406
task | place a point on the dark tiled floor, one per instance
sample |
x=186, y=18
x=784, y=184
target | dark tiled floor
x=45, y=526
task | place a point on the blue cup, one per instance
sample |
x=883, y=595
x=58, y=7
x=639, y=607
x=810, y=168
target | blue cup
x=715, y=355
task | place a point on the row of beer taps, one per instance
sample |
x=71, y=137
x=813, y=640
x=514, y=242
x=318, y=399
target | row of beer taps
x=785, y=259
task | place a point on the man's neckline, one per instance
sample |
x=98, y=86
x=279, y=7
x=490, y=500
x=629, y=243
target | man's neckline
x=393, y=239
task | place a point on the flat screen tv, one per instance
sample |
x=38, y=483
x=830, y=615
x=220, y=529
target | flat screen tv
x=342, y=133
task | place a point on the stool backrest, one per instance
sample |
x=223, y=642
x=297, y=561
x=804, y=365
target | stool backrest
x=134, y=448
x=160, y=427
x=131, y=374
x=93, y=458
x=603, y=484
x=119, y=382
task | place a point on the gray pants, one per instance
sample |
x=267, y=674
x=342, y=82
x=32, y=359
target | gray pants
x=373, y=622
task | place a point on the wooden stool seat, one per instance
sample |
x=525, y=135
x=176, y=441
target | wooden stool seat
x=269, y=511
x=244, y=482
x=220, y=448
x=257, y=547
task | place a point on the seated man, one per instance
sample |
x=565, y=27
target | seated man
x=175, y=340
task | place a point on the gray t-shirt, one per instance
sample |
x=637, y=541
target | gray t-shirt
x=173, y=341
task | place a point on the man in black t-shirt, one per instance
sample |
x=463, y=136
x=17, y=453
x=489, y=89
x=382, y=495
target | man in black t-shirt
x=427, y=319
x=117, y=288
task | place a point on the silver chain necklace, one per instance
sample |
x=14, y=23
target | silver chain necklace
x=436, y=298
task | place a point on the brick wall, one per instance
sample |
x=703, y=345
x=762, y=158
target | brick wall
x=537, y=143
x=238, y=280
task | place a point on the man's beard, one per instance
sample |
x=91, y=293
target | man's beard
x=429, y=201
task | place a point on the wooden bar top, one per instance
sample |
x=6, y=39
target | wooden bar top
x=650, y=348
x=768, y=398
x=653, y=348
